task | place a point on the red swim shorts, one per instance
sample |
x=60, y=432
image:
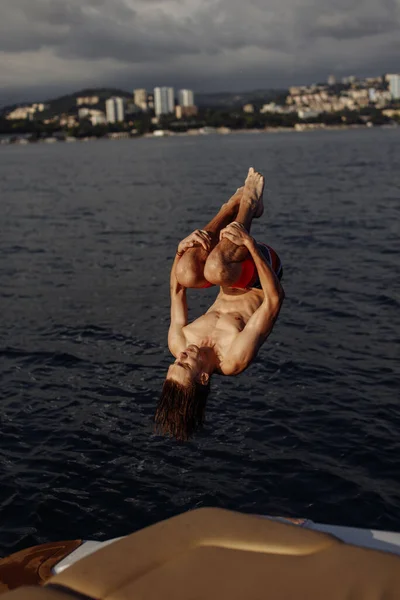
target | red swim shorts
x=249, y=277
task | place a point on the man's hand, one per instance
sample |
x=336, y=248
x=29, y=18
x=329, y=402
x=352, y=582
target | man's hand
x=199, y=237
x=237, y=234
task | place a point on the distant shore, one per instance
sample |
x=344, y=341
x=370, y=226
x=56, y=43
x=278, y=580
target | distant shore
x=25, y=139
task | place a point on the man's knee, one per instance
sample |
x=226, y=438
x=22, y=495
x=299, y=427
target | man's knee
x=190, y=273
x=218, y=272
x=213, y=269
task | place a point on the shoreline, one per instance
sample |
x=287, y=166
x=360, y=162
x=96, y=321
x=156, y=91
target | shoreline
x=23, y=139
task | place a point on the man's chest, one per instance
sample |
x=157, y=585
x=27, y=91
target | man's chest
x=215, y=329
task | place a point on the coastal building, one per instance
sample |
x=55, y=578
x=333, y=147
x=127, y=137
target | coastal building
x=87, y=100
x=27, y=111
x=115, y=109
x=372, y=82
x=67, y=120
x=331, y=80
x=392, y=113
x=348, y=80
x=185, y=111
x=96, y=117
x=360, y=97
x=185, y=98
x=308, y=114
x=248, y=108
x=39, y=106
x=394, y=85
x=382, y=98
x=322, y=98
x=164, y=103
x=22, y=112
x=271, y=107
x=140, y=98
x=150, y=101
x=185, y=106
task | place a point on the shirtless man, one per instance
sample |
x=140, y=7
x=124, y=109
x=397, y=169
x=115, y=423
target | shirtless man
x=228, y=336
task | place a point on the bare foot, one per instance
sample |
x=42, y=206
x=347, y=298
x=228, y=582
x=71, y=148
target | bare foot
x=253, y=191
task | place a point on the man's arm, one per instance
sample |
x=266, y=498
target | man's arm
x=270, y=283
x=179, y=312
x=260, y=324
x=179, y=309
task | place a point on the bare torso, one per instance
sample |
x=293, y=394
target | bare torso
x=224, y=320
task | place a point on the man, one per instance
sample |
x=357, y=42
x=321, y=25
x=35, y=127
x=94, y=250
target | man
x=228, y=336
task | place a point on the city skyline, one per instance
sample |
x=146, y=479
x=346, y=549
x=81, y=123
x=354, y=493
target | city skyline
x=358, y=102
x=185, y=96
x=48, y=49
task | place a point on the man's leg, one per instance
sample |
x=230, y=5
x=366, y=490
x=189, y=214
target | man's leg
x=190, y=268
x=223, y=265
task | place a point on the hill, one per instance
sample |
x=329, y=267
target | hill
x=67, y=103
x=238, y=99
x=221, y=100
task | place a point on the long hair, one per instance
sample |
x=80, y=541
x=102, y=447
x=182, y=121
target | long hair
x=180, y=410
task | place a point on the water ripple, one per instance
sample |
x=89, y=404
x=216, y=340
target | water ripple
x=309, y=430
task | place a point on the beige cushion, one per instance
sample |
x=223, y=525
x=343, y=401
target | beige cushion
x=217, y=554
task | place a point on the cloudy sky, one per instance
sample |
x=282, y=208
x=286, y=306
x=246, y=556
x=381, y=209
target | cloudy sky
x=49, y=47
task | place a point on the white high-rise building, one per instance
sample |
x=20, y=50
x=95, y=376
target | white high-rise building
x=164, y=102
x=185, y=98
x=394, y=85
x=115, y=109
x=140, y=98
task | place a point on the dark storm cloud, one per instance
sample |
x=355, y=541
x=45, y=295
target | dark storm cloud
x=130, y=31
x=74, y=41
x=115, y=29
x=357, y=19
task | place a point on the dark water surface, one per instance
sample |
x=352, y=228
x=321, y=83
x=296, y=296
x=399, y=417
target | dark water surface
x=87, y=235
